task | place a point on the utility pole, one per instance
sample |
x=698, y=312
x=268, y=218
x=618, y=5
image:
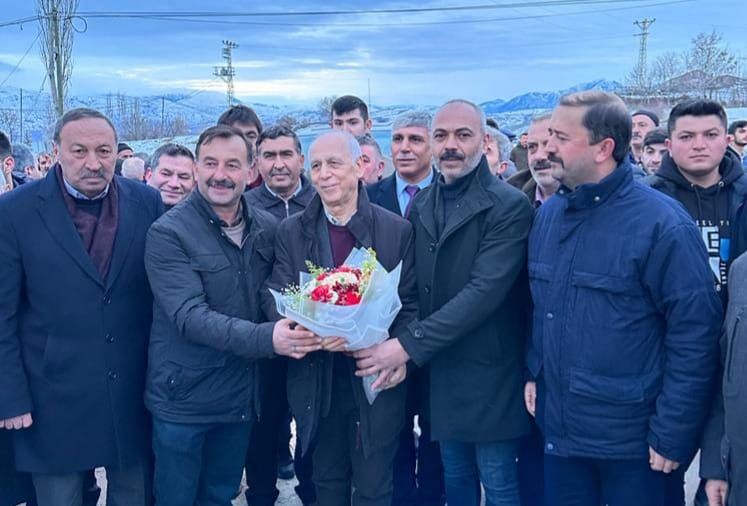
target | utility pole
x=20, y=122
x=643, y=25
x=227, y=72
x=163, y=116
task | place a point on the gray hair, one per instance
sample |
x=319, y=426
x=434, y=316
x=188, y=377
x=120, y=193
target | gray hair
x=504, y=145
x=145, y=157
x=353, y=148
x=367, y=140
x=170, y=149
x=78, y=114
x=412, y=119
x=23, y=157
x=129, y=165
x=477, y=109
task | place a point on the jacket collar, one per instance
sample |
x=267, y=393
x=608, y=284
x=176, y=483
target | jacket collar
x=197, y=200
x=60, y=224
x=303, y=197
x=476, y=201
x=590, y=195
x=359, y=225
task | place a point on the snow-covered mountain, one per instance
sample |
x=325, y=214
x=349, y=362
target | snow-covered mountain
x=199, y=110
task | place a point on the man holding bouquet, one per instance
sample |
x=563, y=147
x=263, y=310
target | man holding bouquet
x=353, y=442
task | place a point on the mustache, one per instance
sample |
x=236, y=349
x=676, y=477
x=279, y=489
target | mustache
x=222, y=183
x=543, y=164
x=452, y=155
x=555, y=159
x=93, y=174
x=279, y=172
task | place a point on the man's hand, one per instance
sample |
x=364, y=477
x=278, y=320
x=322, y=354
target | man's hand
x=716, y=491
x=530, y=397
x=334, y=344
x=17, y=422
x=387, y=355
x=659, y=463
x=390, y=378
x=294, y=342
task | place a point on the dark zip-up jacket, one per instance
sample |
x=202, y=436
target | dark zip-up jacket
x=208, y=314
x=261, y=198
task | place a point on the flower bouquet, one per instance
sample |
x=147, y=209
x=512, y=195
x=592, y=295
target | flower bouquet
x=357, y=301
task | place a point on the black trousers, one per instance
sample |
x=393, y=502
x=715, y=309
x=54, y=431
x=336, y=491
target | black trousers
x=418, y=470
x=343, y=476
x=270, y=439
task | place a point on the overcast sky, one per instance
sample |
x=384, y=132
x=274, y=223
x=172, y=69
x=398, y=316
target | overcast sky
x=500, y=51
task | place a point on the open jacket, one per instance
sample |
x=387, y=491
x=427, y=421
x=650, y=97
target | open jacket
x=303, y=237
x=472, y=292
x=73, y=347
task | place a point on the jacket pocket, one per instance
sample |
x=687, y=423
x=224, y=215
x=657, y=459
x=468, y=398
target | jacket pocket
x=209, y=263
x=617, y=390
x=606, y=314
x=191, y=381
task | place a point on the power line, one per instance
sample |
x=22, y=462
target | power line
x=416, y=23
x=173, y=16
x=341, y=12
x=38, y=34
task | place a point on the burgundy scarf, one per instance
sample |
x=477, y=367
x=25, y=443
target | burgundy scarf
x=97, y=233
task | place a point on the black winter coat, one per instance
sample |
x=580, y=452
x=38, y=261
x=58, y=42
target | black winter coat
x=207, y=314
x=310, y=379
x=473, y=294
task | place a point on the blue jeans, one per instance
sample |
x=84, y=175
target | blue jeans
x=578, y=481
x=198, y=463
x=467, y=465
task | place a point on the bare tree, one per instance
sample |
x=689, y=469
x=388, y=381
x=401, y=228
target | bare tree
x=325, y=106
x=288, y=121
x=56, y=20
x=665, y=68
x=712, y=59
x=9, y=122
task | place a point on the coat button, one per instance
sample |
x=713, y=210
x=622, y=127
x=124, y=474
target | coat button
x=427, y=289
x=597, y=198
x=107, y=299
x=112, y=375
x=432, y=247
x=308, y=407
x=243, y=417
x=109, y=338
x=550, y=316
x=550, y=446
x=418, y=333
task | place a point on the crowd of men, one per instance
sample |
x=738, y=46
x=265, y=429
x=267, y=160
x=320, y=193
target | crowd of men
x=569, y=334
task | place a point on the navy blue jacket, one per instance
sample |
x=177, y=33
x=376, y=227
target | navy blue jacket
x=73, y=348
x=384, y=193
x=626, y=322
